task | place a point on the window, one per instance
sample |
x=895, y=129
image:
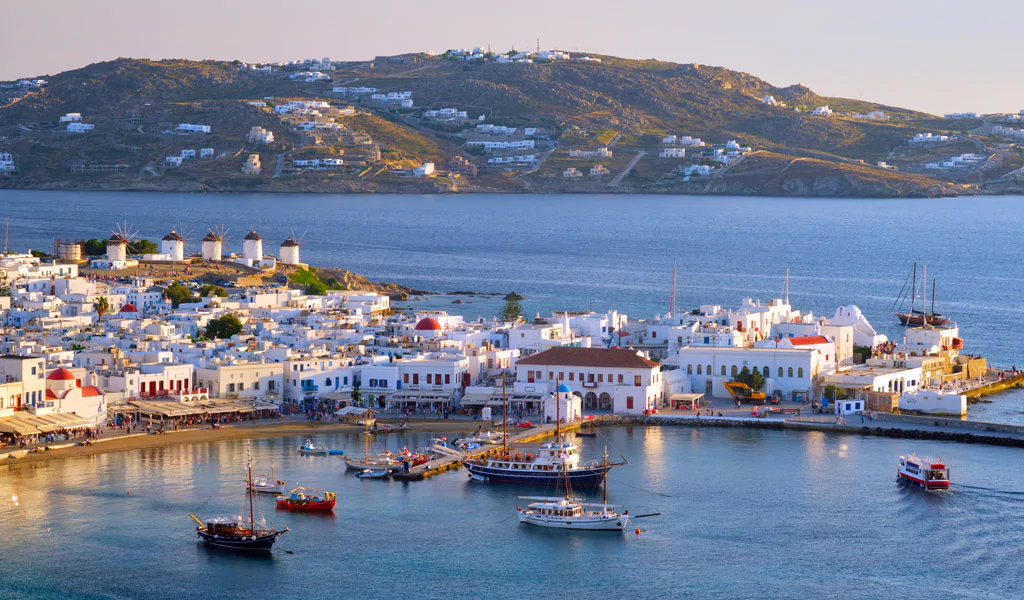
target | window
x=620, y=378
x=256, y=385
x=551, y=374
x=699, y=371
x=723, y=370
x=654, y=335
x=636, y=381
x=271, y=385
x=429, y=378
x=790, y=372
x=405, y=378
x=780, y=371
x=629, y=403
x=327, y=382
x=590, y=377
x=734, y=370
x=581, y=376
x=766, y=372
x=600, y=377
x=689, y=369
x=231, y=387
x=572, y=376
x=416, y=378
x=561, y=376
x=294, y=382
x=448, y=378
x=800, y=372
x=346, y=381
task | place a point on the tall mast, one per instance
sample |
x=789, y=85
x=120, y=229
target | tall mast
x=252, y=516
x=913, y=292
x=924, y=294
x=558, y=415
x=604, y=496
x=504, y=415
x=787, y=285
x=933, y=295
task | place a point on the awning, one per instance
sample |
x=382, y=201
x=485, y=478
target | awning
x=338, y=396
x=15, y=426
x=420, y=398
x=471, y=399
x=354, y=411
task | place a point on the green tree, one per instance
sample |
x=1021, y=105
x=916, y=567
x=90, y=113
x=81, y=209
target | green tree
x=94, y=247
x=101, y=305
x=834, y=392
x=753, y=379
x=5, y=286
x=142, y=247
x=316, y=288
x=223, y=327
x=212, y=290
x=513, y=310
x=178, y=293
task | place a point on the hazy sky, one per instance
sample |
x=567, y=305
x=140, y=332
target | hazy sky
x=933, y=55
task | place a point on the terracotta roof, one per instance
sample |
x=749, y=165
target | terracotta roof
x=809, y=340
x=50, y=395
x=129, y=308
x=564, y=356
x=61, y=374
x=91, y=390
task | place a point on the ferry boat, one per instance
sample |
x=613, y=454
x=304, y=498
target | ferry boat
x=545, y=468
x=233, y=533
x=567, y=513
x=300, y=500
x=928, y=473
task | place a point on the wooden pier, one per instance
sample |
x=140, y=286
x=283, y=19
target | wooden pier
x=453, y=459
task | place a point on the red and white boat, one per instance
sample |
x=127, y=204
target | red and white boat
x=928, y=473
x=301, y=499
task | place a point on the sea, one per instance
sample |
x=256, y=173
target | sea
x=744, y=513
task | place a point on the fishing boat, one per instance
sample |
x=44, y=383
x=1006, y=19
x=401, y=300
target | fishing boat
x=925, y=472
x=267, y=485
x=918, y=317
x=480, y=438
x=567, y=512
x=235, y=534
x=544, y=467
x=302, y=500
x=311, y=449
x=589, y=433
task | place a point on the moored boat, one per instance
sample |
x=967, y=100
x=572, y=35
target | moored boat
x=300, y=499
x=374, y=473
x=311, y=449
x=233, y=533
x=925, y=472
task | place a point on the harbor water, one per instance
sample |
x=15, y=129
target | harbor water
x=745, y=514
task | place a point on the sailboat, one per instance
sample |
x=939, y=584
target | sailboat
x=235, y=534
x=567, y=512
x=915, y=316
x=546, y=467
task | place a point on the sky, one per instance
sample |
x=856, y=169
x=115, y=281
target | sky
x=938, y=56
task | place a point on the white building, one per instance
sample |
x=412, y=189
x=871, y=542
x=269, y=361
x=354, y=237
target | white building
x=192, y=128
x=673, y=153
x=823, y=111
x=213, y=247
x=77, y=127
x=71, y=118
x=259, y=135
x=173, y=246
x=424, y=170
x=252, y=247
x=206, y=153
x=790, y=371
x=290, y=252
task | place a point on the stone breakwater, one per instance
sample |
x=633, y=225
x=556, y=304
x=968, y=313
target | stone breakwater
x=920, y=429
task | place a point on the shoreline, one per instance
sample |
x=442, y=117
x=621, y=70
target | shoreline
x=264, y=429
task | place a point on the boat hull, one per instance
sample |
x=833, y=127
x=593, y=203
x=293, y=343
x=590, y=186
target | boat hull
x=316, y=452
x=273, y=489
x=323, y=506
x=355, y=464
x=934, y=484
x=585, y=477
x=918, y=319
x=252, y=543
x=610, y=523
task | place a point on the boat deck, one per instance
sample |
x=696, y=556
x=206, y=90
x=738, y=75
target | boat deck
x=454, y=460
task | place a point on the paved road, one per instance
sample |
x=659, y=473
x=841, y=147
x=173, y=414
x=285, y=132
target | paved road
x=280, y=165
x=631, y=164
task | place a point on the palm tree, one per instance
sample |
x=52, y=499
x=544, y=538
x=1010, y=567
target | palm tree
x=101, y=306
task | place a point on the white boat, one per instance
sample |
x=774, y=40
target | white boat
x=385, y=460
x=310, y=449
x=928, y=473
x=567, y=513
x=267, y=485
x=373, y=473
x=480, y=438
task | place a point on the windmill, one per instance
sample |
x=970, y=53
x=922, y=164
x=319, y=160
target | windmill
x=213, y=243
x=290, y=249
x=121, y=240
x=173, y=244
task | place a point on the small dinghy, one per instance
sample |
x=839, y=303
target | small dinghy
x=310, y=449
x=373, y=474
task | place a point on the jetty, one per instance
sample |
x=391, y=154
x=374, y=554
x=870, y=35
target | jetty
x=450, y=458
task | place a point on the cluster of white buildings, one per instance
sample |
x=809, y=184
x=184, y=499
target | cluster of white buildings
x=590, y=154
x=595, y=171
x=682, y=140
x=963, y=115
x=928, y=138
x=1007, y=132
x=146, y=358
x=512, y=160
x=502, y=130
x=302, y=107
x=309, y=76
x=318, y=163
x=771, y=101
x=259, y=135
x=446, y=115
x=393, y=99
x=875, y=115
x=189, y=154
x=963, y=161
x=490, y=145
x=513, y=56
x=823, y=111
x=354, y=91
x=192, y=128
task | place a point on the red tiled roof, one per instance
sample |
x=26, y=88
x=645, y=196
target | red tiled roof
x=91, y=390
x=428, y=324
x=129, y=308
x=809, y=340
x=563, y=356
x=50, y=395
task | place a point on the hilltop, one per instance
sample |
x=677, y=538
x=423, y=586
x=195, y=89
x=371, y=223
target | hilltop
x=556, y=116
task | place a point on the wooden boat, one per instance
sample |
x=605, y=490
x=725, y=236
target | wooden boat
x=233, y=533
x=917, y=317
x=385, y=460
x=310, y=449
x=570, y=513
x=589, y=433
x=299, y=499
x=927, y=473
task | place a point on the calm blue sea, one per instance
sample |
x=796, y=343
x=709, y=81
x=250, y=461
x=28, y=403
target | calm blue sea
x=745, y=514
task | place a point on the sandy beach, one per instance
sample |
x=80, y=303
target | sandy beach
x=259, y=429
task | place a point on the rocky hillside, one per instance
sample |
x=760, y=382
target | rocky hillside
x=628, y=104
